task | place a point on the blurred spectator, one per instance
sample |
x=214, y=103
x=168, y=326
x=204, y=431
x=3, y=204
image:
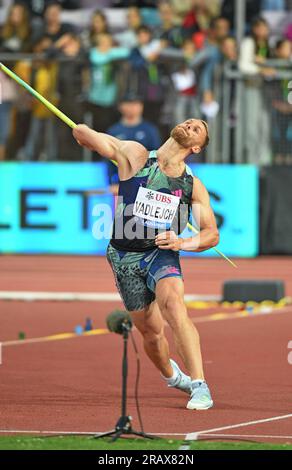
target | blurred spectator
x=210, y=57
x=53, y=27
x=170, y=32
x=146, y=77
x=21, y=111
x=181, y=8
x=128, y=38
x=229, y=48
x=71, y=77
x=8, y=96
x=201, y=14
x=205, y=62
x=38, y=7
x=98, y=25
x=41, y=142
x=186, y=103
x=132, y=126
x=282, y=109
x=15, y=34
x=255, y=49
x=253, y=54
x=103, y=88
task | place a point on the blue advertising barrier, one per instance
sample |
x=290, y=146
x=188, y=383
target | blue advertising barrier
x=48, y=208
x=234, y=195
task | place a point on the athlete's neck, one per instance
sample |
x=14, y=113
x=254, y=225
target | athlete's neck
x=171, y=157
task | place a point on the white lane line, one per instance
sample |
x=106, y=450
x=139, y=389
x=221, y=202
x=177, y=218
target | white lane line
x=60, y=296
x=92, y=433
x=85, y=296
x=248, y=436
x=69, y=433
x=193, y=436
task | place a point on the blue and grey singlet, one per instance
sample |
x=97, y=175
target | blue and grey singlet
x=150, y=202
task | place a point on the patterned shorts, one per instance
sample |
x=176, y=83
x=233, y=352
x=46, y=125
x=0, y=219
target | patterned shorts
x=136, y=274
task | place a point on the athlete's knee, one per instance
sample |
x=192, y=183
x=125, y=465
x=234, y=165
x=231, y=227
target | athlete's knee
x=173, y=310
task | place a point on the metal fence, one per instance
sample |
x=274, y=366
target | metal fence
x=256, y=118
x=253, y=125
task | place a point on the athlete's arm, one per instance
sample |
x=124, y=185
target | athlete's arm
x=130, y=156
x=206, y=221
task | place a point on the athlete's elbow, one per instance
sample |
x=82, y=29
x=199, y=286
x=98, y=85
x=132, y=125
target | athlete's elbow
x=215, y=238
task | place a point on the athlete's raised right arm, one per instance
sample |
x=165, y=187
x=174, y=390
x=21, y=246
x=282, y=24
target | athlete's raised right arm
x=130, y=156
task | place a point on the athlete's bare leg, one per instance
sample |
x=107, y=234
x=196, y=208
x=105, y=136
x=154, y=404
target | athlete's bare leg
x=151, y=325
x=170, y=298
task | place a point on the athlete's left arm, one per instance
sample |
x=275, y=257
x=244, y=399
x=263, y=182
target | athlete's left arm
x=208, y=236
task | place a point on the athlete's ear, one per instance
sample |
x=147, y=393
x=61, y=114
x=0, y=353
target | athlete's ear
x=196, y=149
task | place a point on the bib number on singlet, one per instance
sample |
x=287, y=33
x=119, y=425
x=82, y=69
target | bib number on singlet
x=157, y=208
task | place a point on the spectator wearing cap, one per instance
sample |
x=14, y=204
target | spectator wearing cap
x=132, y=126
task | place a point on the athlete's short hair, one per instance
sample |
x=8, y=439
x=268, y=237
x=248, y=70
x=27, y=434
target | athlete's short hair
x=207, y=140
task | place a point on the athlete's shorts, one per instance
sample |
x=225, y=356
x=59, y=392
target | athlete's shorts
x=136, y=274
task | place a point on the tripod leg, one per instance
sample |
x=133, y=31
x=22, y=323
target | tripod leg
x=142, y=434
x=105, y=434
x=116, y=436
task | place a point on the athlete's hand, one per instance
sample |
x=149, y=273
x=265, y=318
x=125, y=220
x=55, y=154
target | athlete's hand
x=168, y=241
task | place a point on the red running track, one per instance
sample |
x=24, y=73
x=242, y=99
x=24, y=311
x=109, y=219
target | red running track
x=73, y=385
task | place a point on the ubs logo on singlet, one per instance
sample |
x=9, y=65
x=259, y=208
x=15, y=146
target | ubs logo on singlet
x=150, y=195
x=159, y=197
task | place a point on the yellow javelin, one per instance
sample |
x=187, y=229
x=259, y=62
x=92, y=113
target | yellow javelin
x=72, y=124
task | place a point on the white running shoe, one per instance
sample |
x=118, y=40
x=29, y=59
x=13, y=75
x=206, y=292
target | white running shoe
x=200, y=397
x=183, y=382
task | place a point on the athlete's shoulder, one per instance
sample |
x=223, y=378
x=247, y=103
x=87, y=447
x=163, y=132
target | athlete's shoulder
x=189, y=171
x=199, y=189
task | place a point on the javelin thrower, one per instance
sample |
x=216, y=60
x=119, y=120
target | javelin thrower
x=157, y=190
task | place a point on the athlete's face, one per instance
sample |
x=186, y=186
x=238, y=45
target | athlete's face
x=191, y=134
